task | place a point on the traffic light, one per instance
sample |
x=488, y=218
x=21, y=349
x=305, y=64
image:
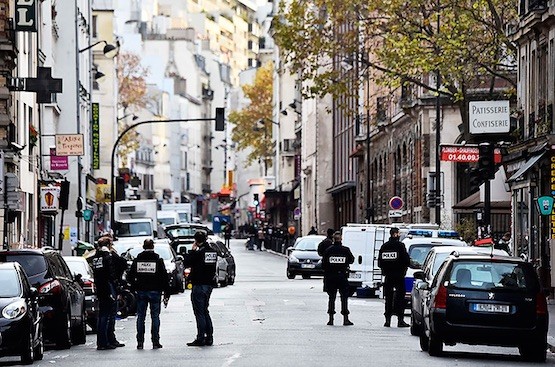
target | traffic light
x=220, y=119
x=255, y=200
x=64, y=195
x=476, y=178
x=120, y=189
x=486, y=163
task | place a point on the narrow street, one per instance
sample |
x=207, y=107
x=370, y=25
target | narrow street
x=267, y=320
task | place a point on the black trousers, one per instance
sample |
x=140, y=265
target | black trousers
x=334, y=283
x=394, y=293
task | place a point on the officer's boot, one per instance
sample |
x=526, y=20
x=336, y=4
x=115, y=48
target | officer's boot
x=331, y=310
x=346, y=321
x=402, y=323
x=387, y=321
x=330, y=322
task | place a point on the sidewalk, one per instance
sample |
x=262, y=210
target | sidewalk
x=551, y=330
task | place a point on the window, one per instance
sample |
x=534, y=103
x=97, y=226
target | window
x=10, y=283
x=94, y=26
x=490, y=275
x=32, y=264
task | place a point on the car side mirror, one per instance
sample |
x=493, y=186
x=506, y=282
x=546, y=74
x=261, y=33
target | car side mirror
x=34, y=292
x=423, y=286
x=289, y=249
x=155, y=232
x=183, y=251
x=419, y=275
x=179, y=258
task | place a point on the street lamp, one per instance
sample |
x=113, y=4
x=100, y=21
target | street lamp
x=110, y=51
x=122, y=134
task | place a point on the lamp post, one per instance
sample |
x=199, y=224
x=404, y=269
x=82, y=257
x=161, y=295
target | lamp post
x=113, y=156
x=438, y=135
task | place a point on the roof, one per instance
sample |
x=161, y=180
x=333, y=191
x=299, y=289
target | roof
x=467, y=250
x=434, y=241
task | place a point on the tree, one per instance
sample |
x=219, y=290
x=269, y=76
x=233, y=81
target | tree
x=253, y=124
x=131, y=95
x=403, y=44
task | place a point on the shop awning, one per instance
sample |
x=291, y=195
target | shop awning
x=525, y=167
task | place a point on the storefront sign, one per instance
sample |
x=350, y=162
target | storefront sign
x=465, y=154
x=489, y=117
x=95, y=130
x=545, y=205
x=69, y=145
x=58, y=163
x=552, y=187
x=26, y=15
x=49, y=199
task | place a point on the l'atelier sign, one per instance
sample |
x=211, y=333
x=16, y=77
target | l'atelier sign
x=26, y=15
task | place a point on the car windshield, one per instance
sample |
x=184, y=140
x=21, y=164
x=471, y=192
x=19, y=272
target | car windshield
x=183, y=217
x=166, y=221
x=308, y=244
x=440, y=257
x=10, y=285
x=488, y=275
x=164, y=252
x=31, y=263
x=418, y=253
x=183, y=232
x=77, y=266
x=134, y=229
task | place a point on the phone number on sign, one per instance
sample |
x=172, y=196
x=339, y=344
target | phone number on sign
x=460, y=157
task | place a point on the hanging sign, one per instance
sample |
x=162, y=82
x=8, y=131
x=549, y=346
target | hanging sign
x=545, y=205
x=49, y=198
x=26, y=15
x=95, y=127
x=69, y=145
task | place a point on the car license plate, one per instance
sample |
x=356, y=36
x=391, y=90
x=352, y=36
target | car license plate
x=488, y=307
x=308, y=266
x=355, y=275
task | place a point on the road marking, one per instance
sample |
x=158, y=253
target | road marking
x=230, y=360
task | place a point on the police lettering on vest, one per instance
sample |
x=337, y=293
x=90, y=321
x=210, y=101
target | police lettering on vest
x=146, y=267
x=389, y=255
x=337, y=260
x=97, y=263
x=210, y=257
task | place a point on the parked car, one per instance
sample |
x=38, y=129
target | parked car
x=83, y=273
x=172, y=261
x=436, y=256
x=61, y=298
x=303, y=257
x=418, y=248
x=20, y=320
x=485, y=300
x=226, y=262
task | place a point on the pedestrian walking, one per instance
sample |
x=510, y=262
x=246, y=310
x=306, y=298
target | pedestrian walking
x=227, y=234
x=394, y=261
x=335, y=262
x=326, y=243
x=202, y=261
x=105, y=281
x=148, y=277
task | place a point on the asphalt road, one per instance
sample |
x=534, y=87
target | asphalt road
x=267, y=320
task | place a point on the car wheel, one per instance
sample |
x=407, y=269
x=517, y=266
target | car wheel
x=534, y=352
x=27, y=351
x=79, y=331
x=39, y=348
x=290, y=275
x=63, y=333
x=435, y=345
x=306, y=276
x=424, y=342
x=414, y=328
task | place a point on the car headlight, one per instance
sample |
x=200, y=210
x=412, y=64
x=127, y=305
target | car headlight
x=14, y=310
x=320, y=261
x=293, y=259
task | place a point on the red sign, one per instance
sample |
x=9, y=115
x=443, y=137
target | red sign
x=58, y=163
x=465, y=154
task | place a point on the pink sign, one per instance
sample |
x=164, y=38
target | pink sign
x=57, y=163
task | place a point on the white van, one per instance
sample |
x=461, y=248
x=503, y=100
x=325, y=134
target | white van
x=167, y=217
x=365, y=241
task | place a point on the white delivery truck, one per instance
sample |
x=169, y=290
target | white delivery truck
x=135, y=221
x=365, y=241
x=167, y=217
x=183, y=210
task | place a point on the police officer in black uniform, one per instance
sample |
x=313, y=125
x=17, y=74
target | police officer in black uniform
x=336, y=262
x=394, y=261
x=326, y=243
x=105, y=281
x=202, y=261
x=148, y=277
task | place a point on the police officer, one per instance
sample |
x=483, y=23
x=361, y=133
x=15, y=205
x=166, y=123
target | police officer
x=148, y=277
x=326, y=243
x=202, y=261
x=336, y=262
x=104, y=277
x=394, y=261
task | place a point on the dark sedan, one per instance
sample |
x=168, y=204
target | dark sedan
x=61, y=298
x=83, y=273
x=486, y=300
x=20, y=320
x=303, y=257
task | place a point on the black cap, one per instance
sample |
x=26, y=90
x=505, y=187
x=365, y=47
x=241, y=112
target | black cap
x=200, y=236
x=330, y=232
x=393, y=231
